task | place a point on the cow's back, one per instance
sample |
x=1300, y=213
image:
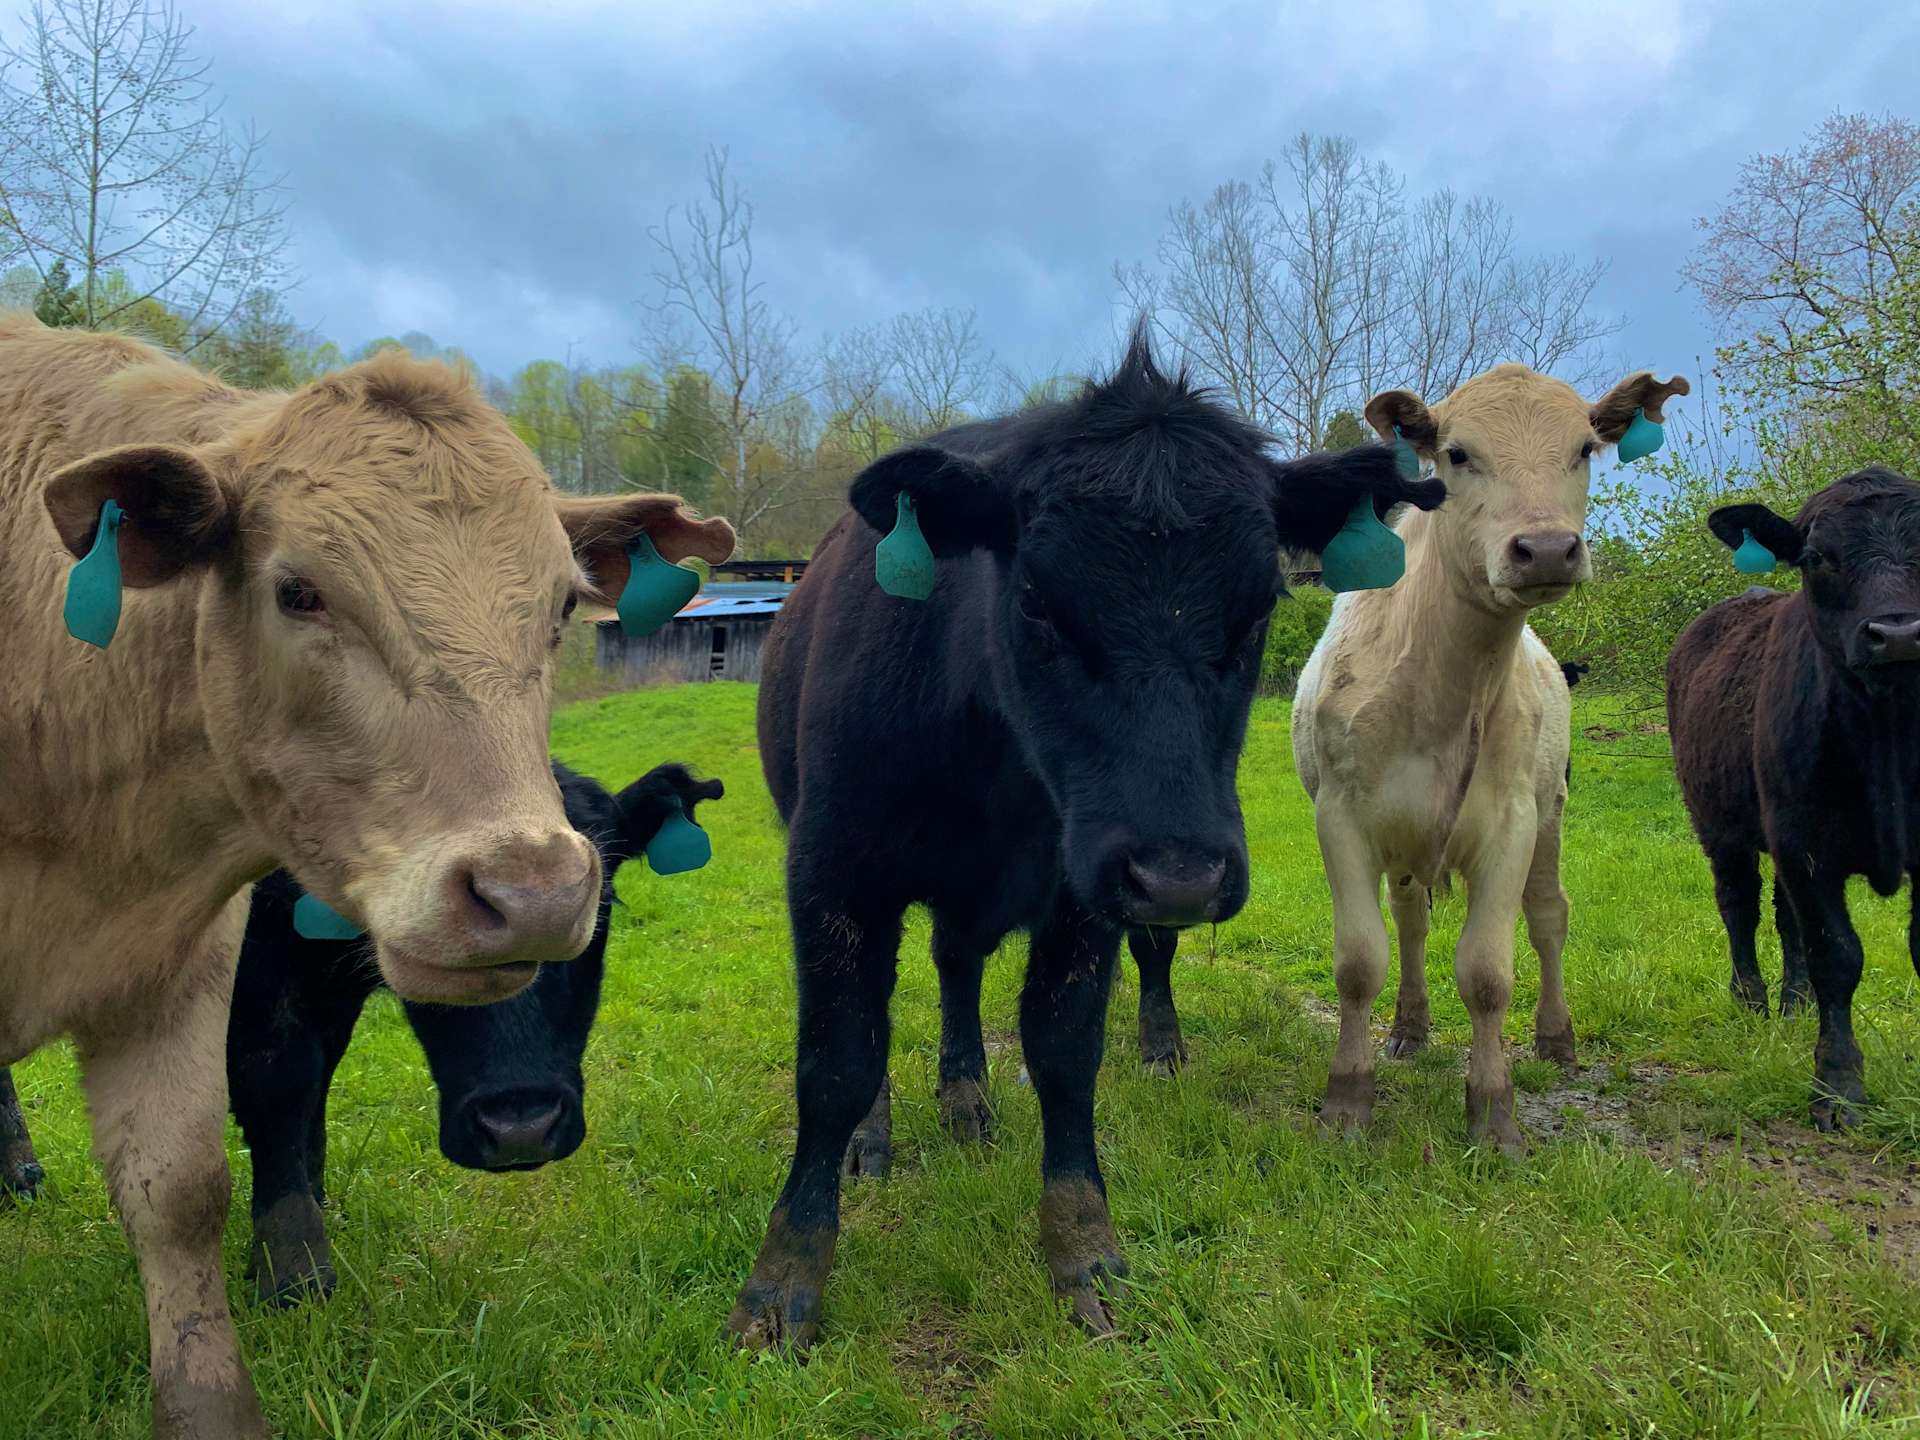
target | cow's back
x=1713, y=696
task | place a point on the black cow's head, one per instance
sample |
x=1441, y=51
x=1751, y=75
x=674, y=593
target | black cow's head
x=1857, y=546
x=1135, y=533
x=511, y=1090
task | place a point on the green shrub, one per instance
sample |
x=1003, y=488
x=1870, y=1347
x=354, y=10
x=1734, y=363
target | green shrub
x=1291, y=635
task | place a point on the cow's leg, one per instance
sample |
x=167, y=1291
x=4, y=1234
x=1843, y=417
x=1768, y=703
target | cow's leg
x=1483, y=970
x=869, y=1150
x=1544, y=903
x=1412, y=1015
x=1359, y=968
x=20, y=1172
x=960, y=960
x=1796, y=990
x=1834, y=962
x=280, y=1074
x=1162, y=1049
x=1063, y=1011
x=1736, y=890
x=845, y=970
x=156, y=1086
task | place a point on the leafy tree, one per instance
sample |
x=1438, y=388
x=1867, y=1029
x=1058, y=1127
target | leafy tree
x=56, y=302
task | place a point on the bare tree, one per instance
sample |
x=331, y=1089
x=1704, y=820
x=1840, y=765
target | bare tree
x=711, y=313
x=942, y=368
x=856, y=368
x=115, y=165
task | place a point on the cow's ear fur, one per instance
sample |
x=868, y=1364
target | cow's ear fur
x=1314, y=495
x=177, y=513
x=960, y=503
x=602, y=527
x=1612, y=413
x=1731, y=524
x=1408, y=411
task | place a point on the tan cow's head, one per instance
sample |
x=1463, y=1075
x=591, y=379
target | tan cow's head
x=386, y=575
x=1514, y=448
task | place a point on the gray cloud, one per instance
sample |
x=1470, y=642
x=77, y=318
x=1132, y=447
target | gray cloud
x=487, y=173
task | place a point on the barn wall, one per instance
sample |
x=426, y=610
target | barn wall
x=683, y=651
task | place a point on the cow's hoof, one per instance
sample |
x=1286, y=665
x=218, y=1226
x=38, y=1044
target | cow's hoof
x=965, y=1112
x=1163, y=1050
x=186, y=1410
x=1750, y=994
x=1836, y=1101
x=779, y=1306
x=1348, y=1108
x=1490, y=1122
x=1405, y=1040
x=1793, y=1000
x=292, y=1260
x=21, y=1179
x=1558, y=1048
x=1083, y=1254
x=869, y=1155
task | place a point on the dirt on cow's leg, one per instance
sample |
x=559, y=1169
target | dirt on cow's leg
x=1063, y=1010
x=845, y=966
x=156, y=1086
x=1163, y=1050
x=1544, y=903
x=20, y=1172
x=1412, y=1014
x=960, y=960
x=292, y=1259
x=1359, y=972
x=1483, y=970
x=870, y=1151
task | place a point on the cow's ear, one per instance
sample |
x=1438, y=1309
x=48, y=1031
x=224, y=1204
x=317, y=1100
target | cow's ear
x=1613, y=412
x=604, y=528
x=1732, y=524
x=1401, y=414
x=1316, y=495
x=177, y=513
x=961, y=504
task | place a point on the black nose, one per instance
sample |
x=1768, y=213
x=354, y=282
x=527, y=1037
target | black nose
x=1168, y=886
x=1893, y=640
x=519, y=1131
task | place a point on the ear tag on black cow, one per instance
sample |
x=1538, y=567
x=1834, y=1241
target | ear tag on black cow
x=902, y=563
x=656, y=589
x=1643, y=437
x=1404, y=456
x=1753, y=558
x=314, y=919
x=1364, y=554
x=678, y=844
x=93, y=585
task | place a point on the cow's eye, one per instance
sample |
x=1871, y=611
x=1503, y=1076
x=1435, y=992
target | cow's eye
x=1586, y=451
x=296, y=596
x=566, y=610
x=1456, y=455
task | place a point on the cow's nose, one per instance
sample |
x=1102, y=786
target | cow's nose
x=528, y=902
x=517, y=1132
x=1893, y=640
x=1168, y=886
x=1543, y=557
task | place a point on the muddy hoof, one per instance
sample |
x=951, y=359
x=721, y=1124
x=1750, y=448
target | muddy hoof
x=769, y=1317
x=1163, y=1059
x=292, y=1259
x=1490, y=1122
x=1793, y=1001
x=1836, y=1102
x=965, y=1112
x=870, y=1151
x=1348, y=1108
x=1751, y=994
x=1557, y=1048
x=1092, y=1291
x=1405, y=1040
x=21, y=1179
x=184, y=1409
x=1083, y=1255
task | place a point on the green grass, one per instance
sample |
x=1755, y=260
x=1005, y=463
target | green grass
x=1644, y=1276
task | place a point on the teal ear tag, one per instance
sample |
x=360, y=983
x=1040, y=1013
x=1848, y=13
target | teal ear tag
x=1753, y=558
x=1364, y=555
x=656, y=589
x=314, y=919
x=93, y=585
x=902, y=563
x=1643, y=437
x=1404, y=456
x=678, y=845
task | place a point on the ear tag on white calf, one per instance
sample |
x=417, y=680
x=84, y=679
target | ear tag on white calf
x=678, y=844
x=1364, y=554
x=1642, y=438
x=1404, y=456
x=314, y=919
x=656, y=589
x=903, y=563
x=1753, y=558
x=92, y=610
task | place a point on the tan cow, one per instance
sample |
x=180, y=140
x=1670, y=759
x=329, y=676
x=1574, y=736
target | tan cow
x=1431, y=725
x=336, y=647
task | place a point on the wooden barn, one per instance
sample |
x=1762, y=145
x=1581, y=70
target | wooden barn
x=718, y=636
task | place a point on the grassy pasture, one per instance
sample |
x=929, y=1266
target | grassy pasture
x=1678, y=1256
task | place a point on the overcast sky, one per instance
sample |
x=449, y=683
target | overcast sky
x=487, y=172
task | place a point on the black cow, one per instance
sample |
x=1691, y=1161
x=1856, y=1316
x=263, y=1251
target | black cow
x=1573, y=670
x=1795, y=733
x=1047, y=744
